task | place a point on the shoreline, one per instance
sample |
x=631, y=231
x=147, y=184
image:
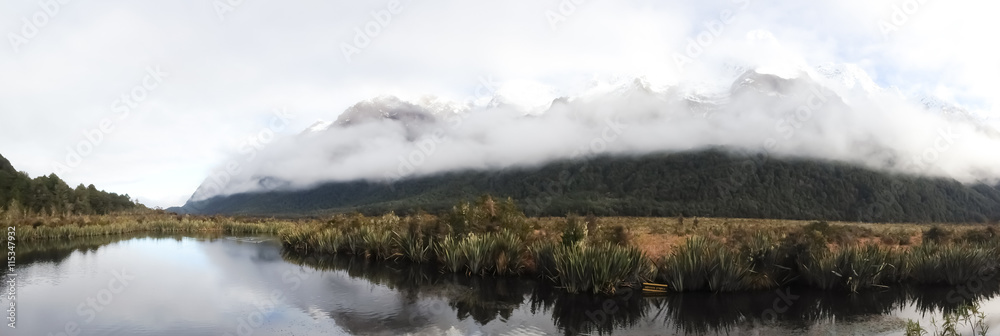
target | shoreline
x=600, y=254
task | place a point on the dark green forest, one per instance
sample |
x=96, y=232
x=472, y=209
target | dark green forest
x=713, y=183
x=51, y=195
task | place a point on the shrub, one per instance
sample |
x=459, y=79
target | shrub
x=597, y=269
x=449, y=254
x=937, y=234
x=800, y=243
x=851, y=268
x=896, y=237
x=573, y=233
x=979, y=236
x=507, y=252
x=765, y=262
x=543, y=255
x=477, y=251
x=703, y=264
x=620, y=236
x=413, y=246
x=591, y=221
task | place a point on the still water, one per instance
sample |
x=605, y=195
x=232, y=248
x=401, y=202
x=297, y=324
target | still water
x=215, y=285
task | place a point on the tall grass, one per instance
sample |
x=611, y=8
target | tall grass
x=449, y=254
x=704, y=264
x=107, y=225
x=489, y=237
x=707, y=264
x=952, y=264
x=852, y=268
x=597, y=269
x=746, y=260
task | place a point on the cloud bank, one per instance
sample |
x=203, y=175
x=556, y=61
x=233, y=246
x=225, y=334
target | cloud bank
x=232, y=64
x=829, y=112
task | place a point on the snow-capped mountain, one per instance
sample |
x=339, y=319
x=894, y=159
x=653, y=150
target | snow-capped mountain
x=526, y=96
x=318, y=126
x=755, y=106
x=849, y=76
x=846, y=80
x=385, y=107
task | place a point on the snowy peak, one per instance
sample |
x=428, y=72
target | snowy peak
x=768, y=84
x=528, y=96
x=850, y=76
x=318, y=126
x=391, y=108
x=936, y=104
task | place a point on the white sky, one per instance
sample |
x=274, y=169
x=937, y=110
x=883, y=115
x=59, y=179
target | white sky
x=225, y=75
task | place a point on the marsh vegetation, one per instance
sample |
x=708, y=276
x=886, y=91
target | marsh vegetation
x=493, y=238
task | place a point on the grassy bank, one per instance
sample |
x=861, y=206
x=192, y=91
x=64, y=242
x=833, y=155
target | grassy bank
x=599, y=254
x=689, y=254
x=31, y=227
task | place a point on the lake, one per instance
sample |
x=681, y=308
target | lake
x=218, y=285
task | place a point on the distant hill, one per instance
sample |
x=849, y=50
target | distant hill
x=706, y=183
x=818, y=113
x=50, y=193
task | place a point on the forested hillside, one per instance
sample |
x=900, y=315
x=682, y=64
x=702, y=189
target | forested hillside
x=709, y=183
x=50, y=194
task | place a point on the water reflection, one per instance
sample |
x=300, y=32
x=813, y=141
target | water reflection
x=790, y=308
x=214, y=285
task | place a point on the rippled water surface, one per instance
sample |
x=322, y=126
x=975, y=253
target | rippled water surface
x=148, y=285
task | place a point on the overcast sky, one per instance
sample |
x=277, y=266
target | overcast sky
x=212, y=74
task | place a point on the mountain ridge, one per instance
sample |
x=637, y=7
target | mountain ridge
x=713, y=183
x=791, y=112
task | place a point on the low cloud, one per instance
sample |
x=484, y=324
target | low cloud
x=820, y=113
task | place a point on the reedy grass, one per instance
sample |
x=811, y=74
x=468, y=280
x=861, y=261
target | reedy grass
x=952, y=264
x=412, y=247
x=476, y=252
x=704, y=264
x=543, y=256
x=118, y=225
x=751, y=260
x=597, y=269
x=492, y=238
x=449, y=254
x=852, y=268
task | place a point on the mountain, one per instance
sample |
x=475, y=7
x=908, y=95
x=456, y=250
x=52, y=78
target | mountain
x=50, y=194
x=705, y=183
x=832, y=153
x=849, y=76
x=5, y=166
